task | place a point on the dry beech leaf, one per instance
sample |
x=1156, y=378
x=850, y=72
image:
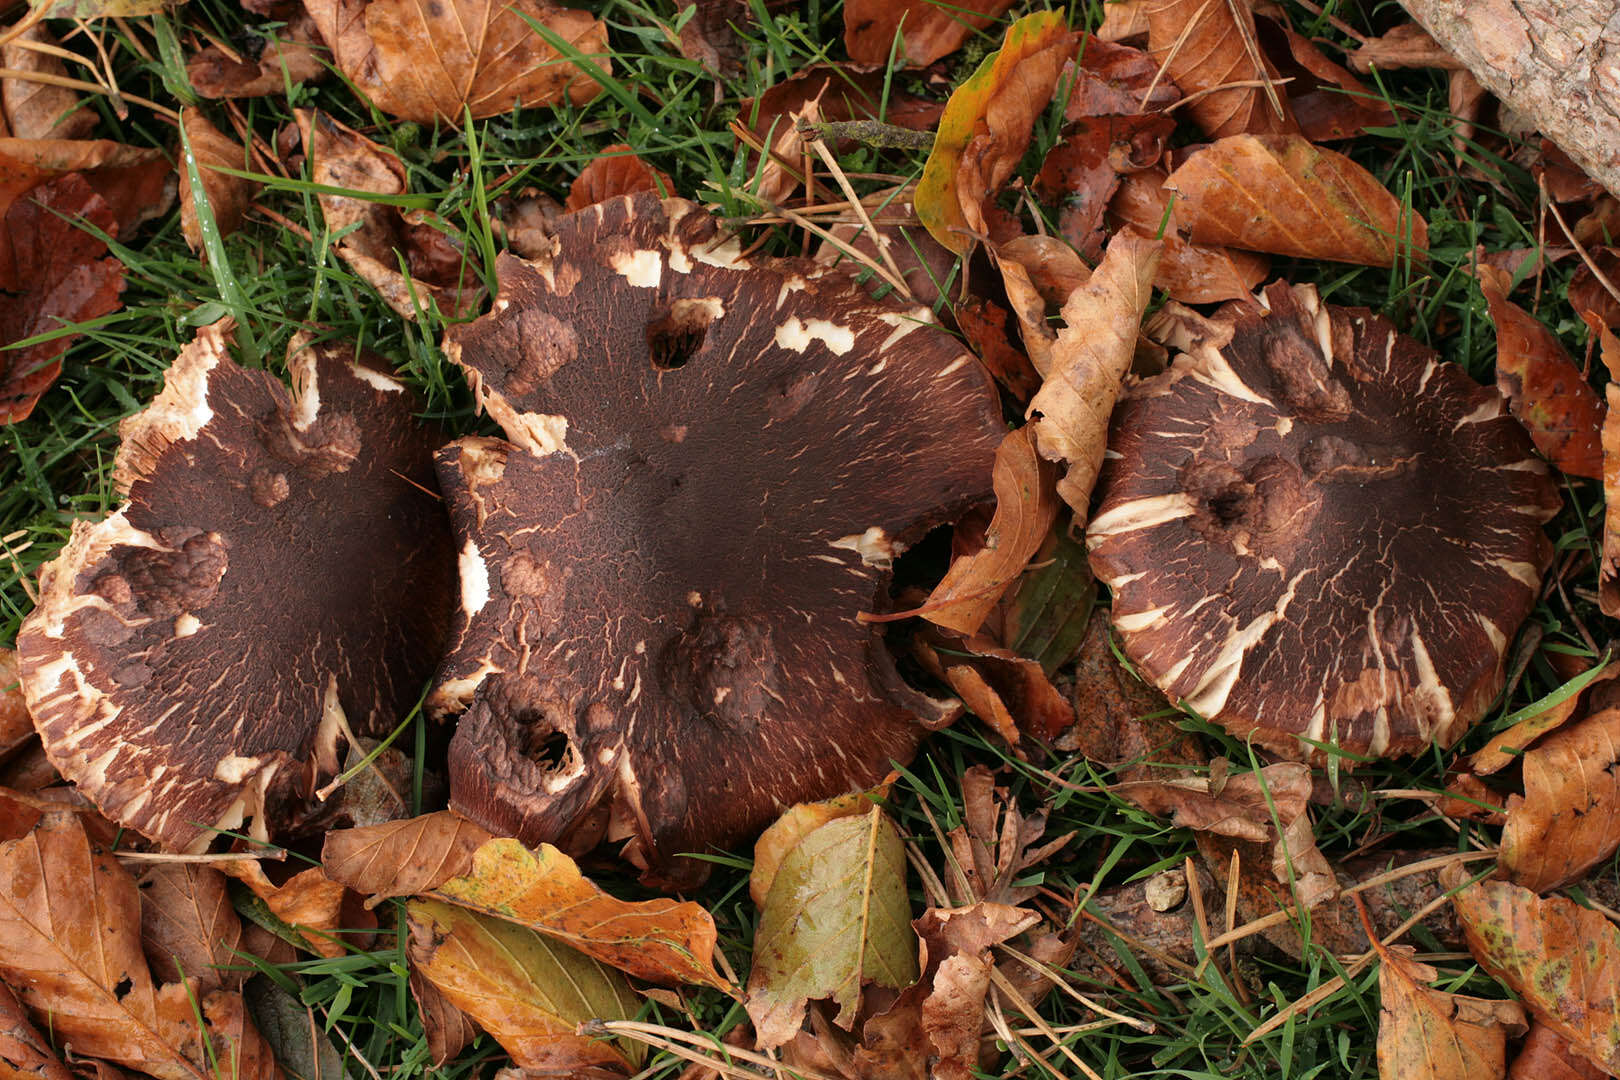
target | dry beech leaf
x=836, y=917
x=1544, y=388
x=928, y=29
x=16, y=727
x=1009, y=692
x=1282, y=195
x=24, y=1053
x=227, y=196
x=710, y=35
x=70, y=945
x=1093, y=351
x=189, y=928
x=1546, y=1055
x=1404, y=46
x=1206, y=45
x=60, y=273
x=1237, y=808
x=402, y=858
x=956, y=980
x=31, y=108
x=1562, y=960
x=309, y=902
x=785, y=833
x=448, y=1029
x=996, y=844
x=288, y=56
x=136, y=183
x=1327, y=101
x=1426, y=1034
x=430, y=62
x=1188, y=272
x=987, y=126
x=1609, y=561
x=617, y=171
x=1026, y=507
x=1568, y=819
x=1506, y=746
x=663, y=940
x=529, y=993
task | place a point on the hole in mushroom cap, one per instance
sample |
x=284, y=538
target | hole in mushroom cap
x=548, y=749
x=678, y=328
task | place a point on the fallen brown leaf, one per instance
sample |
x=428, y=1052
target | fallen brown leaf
x=137, y=183
x=987, y=126
x=996, y=846
x=1568, y=819
x=285, y=58
x=1120, y=720
x=309, y=902
x=227, y=196
x=16, y=727
x=1188, y=272
x=432, y=62
x=1210, y=48
x=985, y=324
x=1562, y=960
x=1544, y=388
x=24, y=1053
x=1426, y=1034
x=662, y=941
x=1588, y=294
x=70, y=947
x=1282, y=195
x=1506, y=746
x=1609, y=556
x=1327, y=101
x=1080, y=175
x=59, y=273
x=1093, y=351
x=617, y=171
x=402, y=858
x=189, y=928
x=710, y=35
x=1241, y=807
x=1026, y=507
x=956, y=944
x=1546, y=1055
x=1407, y=45
x=30, y=107
x=447, y=1028
x=1117, y=80
x=1012, y=694
x=927, y=30
x=797, y=822
x=531, y=994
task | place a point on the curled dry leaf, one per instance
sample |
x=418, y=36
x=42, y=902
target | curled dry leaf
x=1026, y=507
x=836, y=917
x=662, y=940
x=616, y=172
x=996, y=845
x=956, y=943
x=59, y=273
x=1012, y=694
x=1210, y=48
x=1568, y=819
x=531, y=994
x=227, y=196
x=447, y=1028
x=1546, y=1055
x=402, y=858
x=1562, y=960
x=276, y=62
x=926, y=30
x=1506, y=746
x=1282, y=195
x=70, y=946
x=1427, y=1034
x=1069, y=414
x=435, y=62
x=1327, y=101
x=1405, y=46
x=24, y=1053
x=137, y=183
x=1081, y=174
x=309, y=902
x=1240, y=807
x=32, y=107
x=189, y=928
x=987, y=126
x=1544, y=388
x=375, y=236
x=1189, y=272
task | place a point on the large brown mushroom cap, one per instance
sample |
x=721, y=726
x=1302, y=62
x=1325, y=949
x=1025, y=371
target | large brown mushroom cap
x=1320, y=529
x=716, y=458
x=281, y=568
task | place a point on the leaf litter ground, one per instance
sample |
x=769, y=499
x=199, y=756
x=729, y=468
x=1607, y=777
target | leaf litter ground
x=284, y=267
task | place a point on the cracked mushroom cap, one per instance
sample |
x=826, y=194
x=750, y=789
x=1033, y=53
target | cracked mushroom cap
x=281, y=570
x=1320, y=529
x=712, y=460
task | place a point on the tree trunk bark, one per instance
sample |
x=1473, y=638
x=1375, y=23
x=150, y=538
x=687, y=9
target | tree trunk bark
x=1556, y=62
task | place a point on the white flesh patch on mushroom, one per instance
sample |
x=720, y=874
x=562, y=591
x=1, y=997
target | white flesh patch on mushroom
x=233, y=768
x=333, y=724
x=873, y=546
x=186, y=624
x=1139, y=514
x=903, y=324
x=797, y=334
x=474, y=579
x=1213, y=371
x=376, y=379
x=306, y=389
x=538, y=433
x=643, y=268
x=1488, y=410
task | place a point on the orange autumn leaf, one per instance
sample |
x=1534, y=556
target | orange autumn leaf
x=662, y=941
x=1544, y=388
x=1282, y=195
x=616, y=172
x=1562, y=960
x=404, y=857
x=1507, y=746
x=1568, y=819
x=987, y=126
x=1209, y=48
x=1188, y=272
x=1609, y=560
x=928, y=29
x=1026, y=507
x=1546, y=1055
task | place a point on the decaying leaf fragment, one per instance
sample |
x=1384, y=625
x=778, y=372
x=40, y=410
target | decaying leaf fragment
x=70, y=945
x=35, y=107
x=285, y=58
x=617, y=171
x=1069, y=414
x=1562, y=960
x=430, y=62
x=402, y=858
x=1568, y=819
x=987, y=126
x=1426, y=1034
x=1609, y=559
x=926, y=29
x=660, y=940
x=16, y=727
x=1282, y=195
x=227, y=196
x=1544, y=388
x=189, y=928
x=531, y=994
x=836, y=917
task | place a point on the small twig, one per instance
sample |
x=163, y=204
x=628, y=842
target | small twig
x=276, y=855
x=670, y=1039
x=879, y=241
x=869, y=133
x=87, y=88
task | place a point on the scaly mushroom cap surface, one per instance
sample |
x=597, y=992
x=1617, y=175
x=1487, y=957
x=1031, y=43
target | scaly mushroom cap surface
x=1320, y=529
x=282, y=567
x=712, y=461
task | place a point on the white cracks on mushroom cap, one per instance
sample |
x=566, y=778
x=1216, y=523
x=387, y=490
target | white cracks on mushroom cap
x=1213, y=371
x=306, y=385
x=874, y=546
x=376, y=379
x=1489, y=409
x=903, y=323
x=333, y=725
x=538, y=433
x=474, y=578
x=1498, y=639
x=1520, y=571
x=797, y=334
x=791, y=284
x=1208, y=698
x=1142, y=513
x=234, y=768
x=642, y=267
x=954, y=366
x=1137, y=621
